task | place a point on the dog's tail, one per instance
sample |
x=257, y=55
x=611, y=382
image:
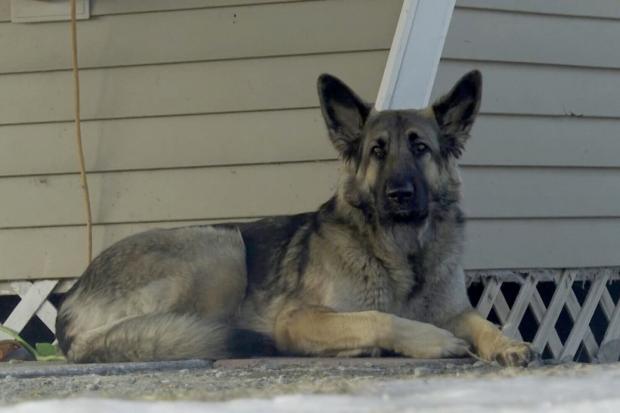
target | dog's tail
x=165, y=336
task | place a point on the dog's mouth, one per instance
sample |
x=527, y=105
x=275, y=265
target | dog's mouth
x=408, y=215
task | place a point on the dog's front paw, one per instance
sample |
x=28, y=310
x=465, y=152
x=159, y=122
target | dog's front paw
x=422, y=340
x=512, y=353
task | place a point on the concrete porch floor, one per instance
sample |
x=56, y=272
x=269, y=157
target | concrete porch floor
x=305, y=384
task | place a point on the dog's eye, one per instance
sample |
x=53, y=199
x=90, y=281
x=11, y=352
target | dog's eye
x=420, y=148
x=378, y=152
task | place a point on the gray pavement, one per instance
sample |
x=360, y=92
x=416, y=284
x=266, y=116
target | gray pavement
x=321, y=385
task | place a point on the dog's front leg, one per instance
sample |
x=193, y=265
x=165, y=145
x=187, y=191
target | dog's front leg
x=488, y=340
x=316, y=330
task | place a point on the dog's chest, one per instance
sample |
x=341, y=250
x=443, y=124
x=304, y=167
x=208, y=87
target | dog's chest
x=369, y=285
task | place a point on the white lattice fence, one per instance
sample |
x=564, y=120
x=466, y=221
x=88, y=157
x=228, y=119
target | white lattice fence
x=579, y=341
x=557, y=319
x=33, y=302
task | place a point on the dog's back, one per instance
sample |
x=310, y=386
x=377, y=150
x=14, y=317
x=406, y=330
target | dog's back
x=162, y=294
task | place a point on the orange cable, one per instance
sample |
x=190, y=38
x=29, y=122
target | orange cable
x=78, y=131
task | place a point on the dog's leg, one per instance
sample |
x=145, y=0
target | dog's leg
x=322, y=331
x=165, y=336
x=488, y=340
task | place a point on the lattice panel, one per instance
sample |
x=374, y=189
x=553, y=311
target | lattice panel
x=565, y=312
x=33, y=302
x=558, y=319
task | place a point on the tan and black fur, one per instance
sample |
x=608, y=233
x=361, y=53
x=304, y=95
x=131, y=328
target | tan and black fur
x=376, y=268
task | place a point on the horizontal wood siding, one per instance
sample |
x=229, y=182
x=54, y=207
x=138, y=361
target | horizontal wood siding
x=269, y=189
x=533, y=38
x=202, y=122
x=214, y=87
x=551, y=66
x=60, y=252
x=515, y=88
x=184, y=88
x=103, y=7
x=202, y=35
x=591, y=8
x=319, y=27
x=284, y=136
x=608, y=9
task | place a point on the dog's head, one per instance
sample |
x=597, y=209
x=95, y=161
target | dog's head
x=400, y=164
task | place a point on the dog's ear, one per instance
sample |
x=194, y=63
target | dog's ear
x=456, y=111
x=345, y=114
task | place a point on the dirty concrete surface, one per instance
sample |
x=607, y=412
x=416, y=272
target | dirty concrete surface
x=268, y=378
x=222, y=380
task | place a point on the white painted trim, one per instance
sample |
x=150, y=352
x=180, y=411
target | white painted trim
x=32, y=11
x=414, y=56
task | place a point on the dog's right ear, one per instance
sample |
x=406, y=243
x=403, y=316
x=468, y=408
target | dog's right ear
x=345, y=114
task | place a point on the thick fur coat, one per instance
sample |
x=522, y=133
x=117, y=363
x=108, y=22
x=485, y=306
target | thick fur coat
x=376, y=269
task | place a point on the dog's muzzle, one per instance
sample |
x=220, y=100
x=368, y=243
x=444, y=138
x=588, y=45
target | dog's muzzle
x=404, y=205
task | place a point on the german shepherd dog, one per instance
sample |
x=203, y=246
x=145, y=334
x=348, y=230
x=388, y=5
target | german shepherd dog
x=377, y=268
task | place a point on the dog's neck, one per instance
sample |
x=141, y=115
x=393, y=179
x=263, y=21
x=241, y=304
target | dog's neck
x=400, y=243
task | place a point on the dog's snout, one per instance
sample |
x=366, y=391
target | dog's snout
x=401, y=193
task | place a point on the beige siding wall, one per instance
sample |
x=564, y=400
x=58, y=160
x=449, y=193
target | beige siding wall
x=205, y=110
x=547, y=143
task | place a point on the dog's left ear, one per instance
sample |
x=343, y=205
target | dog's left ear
x=455, y=113
x=345, y=114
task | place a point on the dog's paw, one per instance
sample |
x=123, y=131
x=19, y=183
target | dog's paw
x=513, y=354
x=453, y=347
x=422, y=340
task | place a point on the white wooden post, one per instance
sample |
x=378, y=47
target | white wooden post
x=414, y=56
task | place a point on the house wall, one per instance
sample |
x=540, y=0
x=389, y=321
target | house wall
x=206, y=110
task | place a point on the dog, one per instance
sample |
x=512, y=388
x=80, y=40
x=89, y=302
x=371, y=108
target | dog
x=375, y=270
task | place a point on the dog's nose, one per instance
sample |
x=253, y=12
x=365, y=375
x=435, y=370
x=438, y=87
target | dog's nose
x=400, y=194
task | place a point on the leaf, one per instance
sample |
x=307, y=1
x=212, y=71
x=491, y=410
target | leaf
x=46, y=349
x=48, y=352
